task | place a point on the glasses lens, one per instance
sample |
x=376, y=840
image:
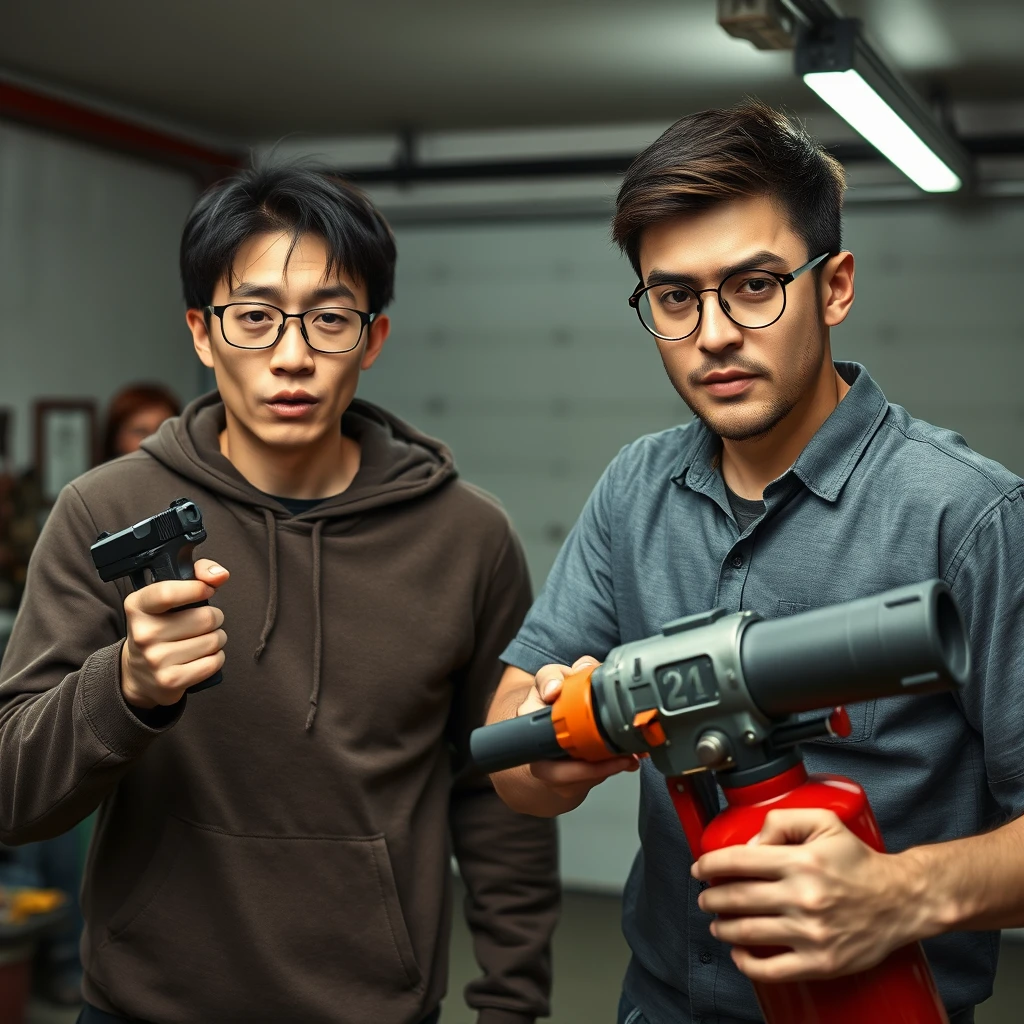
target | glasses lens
x=753, y=298
x=670, y=311
x=333, y=330
x=251, y=324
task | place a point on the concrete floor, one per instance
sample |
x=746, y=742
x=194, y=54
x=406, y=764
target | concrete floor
x=590, y=956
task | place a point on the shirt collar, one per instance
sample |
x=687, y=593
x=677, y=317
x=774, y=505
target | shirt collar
x=826, y=462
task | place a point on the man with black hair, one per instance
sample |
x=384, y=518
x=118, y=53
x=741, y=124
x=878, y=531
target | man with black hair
x=277, y=847
x=797, y=485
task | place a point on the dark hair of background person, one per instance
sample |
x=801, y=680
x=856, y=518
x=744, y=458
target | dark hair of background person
x=287, y=197
x=717, y=155
x=125, y=404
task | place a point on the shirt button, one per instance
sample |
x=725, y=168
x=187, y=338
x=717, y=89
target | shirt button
x=737, y=561
x=706, y=957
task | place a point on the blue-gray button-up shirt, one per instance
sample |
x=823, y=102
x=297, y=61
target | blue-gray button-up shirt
x=876, y=500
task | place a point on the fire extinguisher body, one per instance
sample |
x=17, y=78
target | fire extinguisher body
x=900, y=989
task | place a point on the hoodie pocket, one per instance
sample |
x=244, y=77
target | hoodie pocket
x=862, y=713
x=261, y=928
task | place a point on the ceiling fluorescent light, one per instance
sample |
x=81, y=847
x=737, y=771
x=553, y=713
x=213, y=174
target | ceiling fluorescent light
x=837, y=63
x=857, y=103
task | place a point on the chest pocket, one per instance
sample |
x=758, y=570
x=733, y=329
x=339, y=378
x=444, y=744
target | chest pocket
x=862, y=714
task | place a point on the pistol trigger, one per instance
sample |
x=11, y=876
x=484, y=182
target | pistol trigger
x=138, y=579
x=164, y=567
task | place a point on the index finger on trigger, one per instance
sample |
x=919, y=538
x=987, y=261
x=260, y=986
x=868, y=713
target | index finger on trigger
x=168, y=595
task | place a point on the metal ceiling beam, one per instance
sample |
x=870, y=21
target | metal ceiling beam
x=408, y=172
x=813, y=12
x=77, y=121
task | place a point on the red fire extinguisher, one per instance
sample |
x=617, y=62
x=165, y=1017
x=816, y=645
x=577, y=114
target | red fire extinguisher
x=900, y=989
x=723, y=693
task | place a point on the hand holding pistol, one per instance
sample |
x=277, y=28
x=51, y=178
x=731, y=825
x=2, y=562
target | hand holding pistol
x=174, y=637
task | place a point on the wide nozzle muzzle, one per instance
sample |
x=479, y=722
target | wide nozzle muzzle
x=515, y=741
x=905, y=641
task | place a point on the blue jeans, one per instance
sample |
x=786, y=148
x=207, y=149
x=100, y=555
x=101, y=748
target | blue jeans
x=628, y=1013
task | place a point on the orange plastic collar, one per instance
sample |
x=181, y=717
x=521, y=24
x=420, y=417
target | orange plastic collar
x=575, y=722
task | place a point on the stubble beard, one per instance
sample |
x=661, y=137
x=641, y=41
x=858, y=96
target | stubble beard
x=757, y=424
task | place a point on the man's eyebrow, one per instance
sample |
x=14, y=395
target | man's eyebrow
x=333, y=291
x=249, y=290
x=764, y=259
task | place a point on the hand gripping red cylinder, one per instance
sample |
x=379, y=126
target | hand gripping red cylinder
x=900, y=989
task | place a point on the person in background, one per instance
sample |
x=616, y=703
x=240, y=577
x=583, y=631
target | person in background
x=134, y=413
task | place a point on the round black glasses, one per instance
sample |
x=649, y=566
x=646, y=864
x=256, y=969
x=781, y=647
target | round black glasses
x=751, y=299
x=256, y=325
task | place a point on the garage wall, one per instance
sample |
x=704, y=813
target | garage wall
x=89, y=288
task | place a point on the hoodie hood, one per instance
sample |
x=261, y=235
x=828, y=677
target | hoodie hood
x=397, y=463
x=290, y=874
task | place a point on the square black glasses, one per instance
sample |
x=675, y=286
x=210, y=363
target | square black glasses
x=258, y=325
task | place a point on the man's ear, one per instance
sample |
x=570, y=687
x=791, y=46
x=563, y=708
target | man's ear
x=837, y=288
x=197, y=324
x=378, y=334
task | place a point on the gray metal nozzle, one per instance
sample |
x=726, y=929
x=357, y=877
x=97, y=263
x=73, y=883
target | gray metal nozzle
x=905, y=641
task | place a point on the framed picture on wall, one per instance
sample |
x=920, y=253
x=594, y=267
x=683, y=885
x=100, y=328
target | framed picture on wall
x=65, y=441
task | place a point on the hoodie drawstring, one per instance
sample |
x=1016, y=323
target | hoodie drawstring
x=318, y=625
x=271, y=616
x=318, y=615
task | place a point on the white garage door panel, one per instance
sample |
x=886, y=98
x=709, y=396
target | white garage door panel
x=88, y=275
x=576, y=438
x=599, y=838
x=504, y=363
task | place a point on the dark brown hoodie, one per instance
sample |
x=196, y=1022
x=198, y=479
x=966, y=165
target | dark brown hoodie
x=278, y=850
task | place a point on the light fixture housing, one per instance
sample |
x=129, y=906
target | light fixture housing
x=836, y=61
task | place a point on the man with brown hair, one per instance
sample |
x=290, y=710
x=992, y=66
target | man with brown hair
x=797, y=485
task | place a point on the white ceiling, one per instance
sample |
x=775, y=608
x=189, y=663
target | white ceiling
x=262, y=70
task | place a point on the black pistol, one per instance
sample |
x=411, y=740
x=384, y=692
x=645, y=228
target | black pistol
x=161, y=546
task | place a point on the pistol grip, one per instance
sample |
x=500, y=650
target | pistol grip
x=217, y=676
x=177, y=565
